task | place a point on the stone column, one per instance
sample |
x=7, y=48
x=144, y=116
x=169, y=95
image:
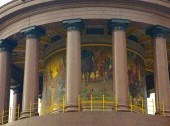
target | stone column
x=17, y=101
x=73, y=63
x=31, y=73
x=161, y=74
x=119, y=56
x=6, y=47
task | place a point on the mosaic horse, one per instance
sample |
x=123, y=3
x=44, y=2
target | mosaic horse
x=88, y=65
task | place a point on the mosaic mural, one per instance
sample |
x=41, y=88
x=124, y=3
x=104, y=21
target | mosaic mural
x=96, y=72
x=96, y=67
x=136, y=78
x=54, y=80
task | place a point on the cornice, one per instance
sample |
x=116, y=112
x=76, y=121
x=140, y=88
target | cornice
x=165, y=3
x=18, y=10
x=13, y=4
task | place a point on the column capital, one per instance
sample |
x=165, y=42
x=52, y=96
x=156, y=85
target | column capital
x=7, y=45
x=118, y=24
x=73, y=24
x=157, y=31
x=33, y=32
x=17, y=88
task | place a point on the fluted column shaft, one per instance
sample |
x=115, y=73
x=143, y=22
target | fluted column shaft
x=73, y=63
x=161, y=74
x=120, y=70
x=31, y=73
x=6, y=47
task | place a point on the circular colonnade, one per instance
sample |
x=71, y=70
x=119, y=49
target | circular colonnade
x=91, y=41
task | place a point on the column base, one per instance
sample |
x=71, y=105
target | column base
x=71, y=108
x=27, y=114
x=123, y=108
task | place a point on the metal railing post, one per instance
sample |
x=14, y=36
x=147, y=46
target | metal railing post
x=103, y=103
x=63, y=104
x=79, y=103
x=163, y=108
x=142, y=105
x=91, y=103
x=51, y=106
x=157, y=106
x=30, y=109
x=115, y=103
x=153, y=106
x=18, y=112
x=9, y=114
x=3, y=117
x=131, y=104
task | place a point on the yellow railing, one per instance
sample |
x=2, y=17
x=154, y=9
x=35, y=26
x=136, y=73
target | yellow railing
x=147, y=107
x=91, y=103
x=11, y=114
x=103, y=103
